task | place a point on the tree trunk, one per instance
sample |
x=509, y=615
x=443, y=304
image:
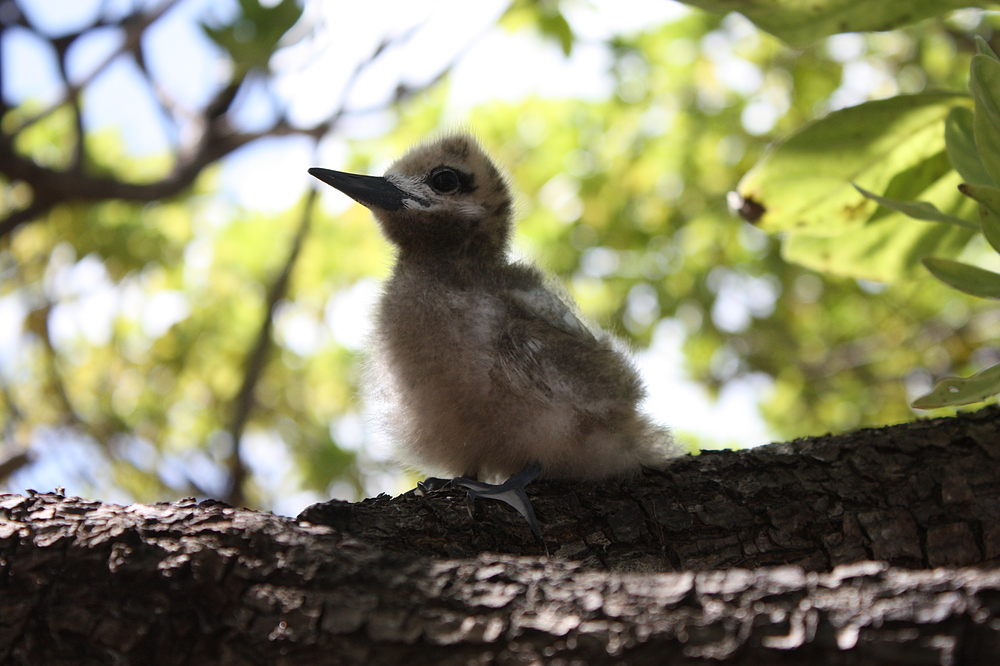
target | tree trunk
x=750, y=557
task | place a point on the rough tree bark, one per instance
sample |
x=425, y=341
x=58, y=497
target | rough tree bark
x=748, y=557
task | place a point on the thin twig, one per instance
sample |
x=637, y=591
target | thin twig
x=15, y=462
x=243, y=404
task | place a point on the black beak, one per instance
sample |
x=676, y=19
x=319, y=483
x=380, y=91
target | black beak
x=369, y=191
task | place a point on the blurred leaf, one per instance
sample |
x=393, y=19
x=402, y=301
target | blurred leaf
x=989, y=210
x=984, y=194
x=968, y=279
x=543, y=15
x=918, y=210
x=982, y=48
x=984, y=82
x=322, y=461
x=962, y=391
x=960, y=140
x=252, y=37
x=557, y=27
x=989, y=221
x=804, y=184
x=885, y=250
x=890, y=245
x=800, y=23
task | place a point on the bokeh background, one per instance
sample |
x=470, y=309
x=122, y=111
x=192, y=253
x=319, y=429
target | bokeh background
x=182, y=314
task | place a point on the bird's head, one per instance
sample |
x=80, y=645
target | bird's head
x=442, y=198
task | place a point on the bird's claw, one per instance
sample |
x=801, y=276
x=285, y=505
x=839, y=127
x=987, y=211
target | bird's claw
x=510, y=492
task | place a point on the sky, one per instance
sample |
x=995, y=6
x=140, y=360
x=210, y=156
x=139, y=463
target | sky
x=271, y=175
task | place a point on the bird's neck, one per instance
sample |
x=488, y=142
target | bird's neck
x=453, y=268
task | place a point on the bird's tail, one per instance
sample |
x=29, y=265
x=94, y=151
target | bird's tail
x=658, y=446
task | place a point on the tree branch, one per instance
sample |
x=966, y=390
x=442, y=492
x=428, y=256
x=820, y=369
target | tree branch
x=206, y=583
x=920, y=494
x=216, y=140
x=134, y=25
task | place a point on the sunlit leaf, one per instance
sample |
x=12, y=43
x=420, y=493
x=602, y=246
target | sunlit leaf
x=962, y=391
x=798, y=23
x=890, y=245
x=885, y=250
x=804, y=184
x=969, y=279
x=960, y=140
x=918, y=210
x=984, y=82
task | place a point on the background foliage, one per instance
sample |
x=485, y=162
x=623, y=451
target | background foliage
x=158, y=340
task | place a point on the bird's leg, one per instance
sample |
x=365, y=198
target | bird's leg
x=510, y=491
x=433, y=483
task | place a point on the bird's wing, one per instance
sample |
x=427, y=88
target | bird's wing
x=538, y=302
x=545, y=353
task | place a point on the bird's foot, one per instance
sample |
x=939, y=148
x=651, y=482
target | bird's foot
x=510, y=491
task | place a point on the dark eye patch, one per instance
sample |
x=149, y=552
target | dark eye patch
x=446, y=180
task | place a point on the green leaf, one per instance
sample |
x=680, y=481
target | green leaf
x=984, y=82
x=804, y=184
x=271, y=22
x=989, y=210
x=982, y=48
x=989, y=221
x=545, y=16
x=960, y=140
x=968, y=279
x=890, y=245
x=962, y=391
x=886, y=250
x=984, y=194
x=556, y=26
x=918, y=210
x=254, y=33
x=799, y=23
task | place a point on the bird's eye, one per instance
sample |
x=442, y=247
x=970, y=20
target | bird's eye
x=444, y=181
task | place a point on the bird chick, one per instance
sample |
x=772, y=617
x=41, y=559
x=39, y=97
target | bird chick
x=480, y=367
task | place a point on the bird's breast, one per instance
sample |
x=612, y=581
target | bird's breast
x=437, y=338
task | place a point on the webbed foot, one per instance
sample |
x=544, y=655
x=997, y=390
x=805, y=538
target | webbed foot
x=511, y=492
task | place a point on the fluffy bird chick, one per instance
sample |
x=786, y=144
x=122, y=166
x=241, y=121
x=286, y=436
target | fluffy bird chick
x=482, y=369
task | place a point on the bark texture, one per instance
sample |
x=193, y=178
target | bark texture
x=407, y=580
x=919, y=495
